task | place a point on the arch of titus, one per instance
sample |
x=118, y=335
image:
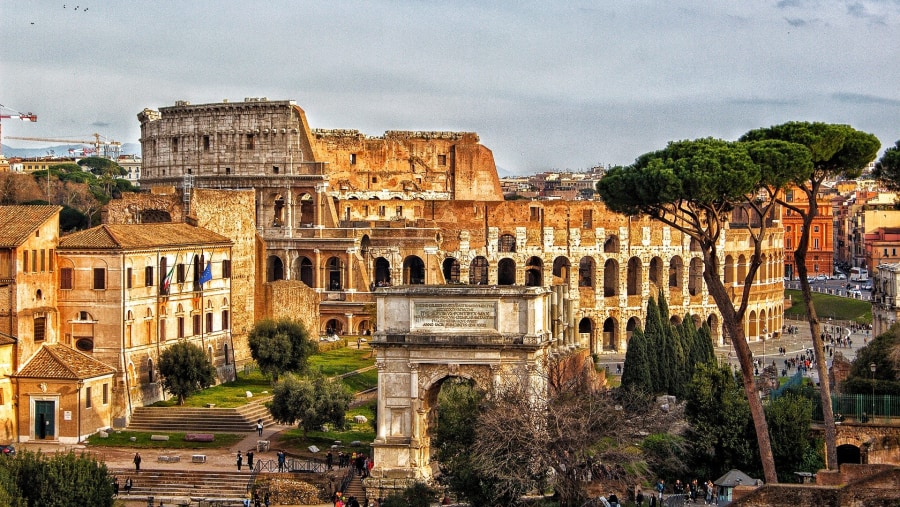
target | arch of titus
x=427, y=334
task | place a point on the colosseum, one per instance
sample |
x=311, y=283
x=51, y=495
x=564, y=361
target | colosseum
x=346, y=213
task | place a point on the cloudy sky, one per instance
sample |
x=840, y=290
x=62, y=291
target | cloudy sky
x=547, y=85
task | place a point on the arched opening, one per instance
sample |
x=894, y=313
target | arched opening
x=413, y=271
x=307, y=210
x=154, y=216
x=741, y=269
x=561, y=269
x=506, y=272
x=635, y=269
x=363, y=328
x=753, y=328
x=610, y=326
x=278, y=211
x=762, y=274
x=451, y=270
x=611, y=245
x=729, y=269
x=586, y=332
x=848, y=453
x=695, y=277
x=713, y=322
x=506, y=243
x=656, y=274
x=334, y=270
x=478, y=271
x=150, y=375
x=675, y=320
x=633, y=323
x=534, y=272
x=334, y=327
x=364, y=244
x=611, y=278
x=303, y=270
x=586, y=272
x=274, y=268
x=382, y=272
x=676, y=272
x=450, y=409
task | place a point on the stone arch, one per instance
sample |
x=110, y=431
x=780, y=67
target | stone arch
x=762, y=275
x=611, y=278
x=676, y=274
x=633, y=323
x=675, y=320
x=334, y=272
x=278, y=211
x=586, y=270
x=506, y=243
x=303, y=270
x=274, y=268
x=741, y=269
x=611, y=245
x=335, y=326
x=561, y=271
x=413, y=270
x=714, y=328
x=363, y=327
x=634, y=276
x=364, y=245
x=753, y=325
x=849, y=453
x=655, y=275
x=534, y=272
x=132, y=376
x=506, y=272
x=451, y=270
x=729, y=269
x=586, y=330
x=478, y=271
x=307, y=209
x=610, y=332
x=382, y=272
x=695, y=277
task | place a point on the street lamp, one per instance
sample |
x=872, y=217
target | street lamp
x=872, y=367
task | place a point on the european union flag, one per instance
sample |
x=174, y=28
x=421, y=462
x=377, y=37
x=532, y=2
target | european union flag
x=207, y=274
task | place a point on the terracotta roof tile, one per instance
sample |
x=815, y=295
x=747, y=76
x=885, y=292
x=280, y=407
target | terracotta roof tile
x=138, y=236
x=61, y=362
x=18, y=222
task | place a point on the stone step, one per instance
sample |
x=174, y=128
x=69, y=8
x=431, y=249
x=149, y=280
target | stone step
x=193, y=484
x=215, y=420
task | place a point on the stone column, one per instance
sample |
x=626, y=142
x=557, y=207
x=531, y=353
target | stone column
x=382, y=427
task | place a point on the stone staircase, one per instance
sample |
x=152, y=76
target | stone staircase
x=200, y=420
x=175, y=487
x=355, y=488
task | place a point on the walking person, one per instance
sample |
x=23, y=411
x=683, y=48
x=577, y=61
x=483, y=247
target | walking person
x=128, y=485
x=259, y=427
x=250, y=459
x=137, y=462
x=115, y=486
x=240, y=460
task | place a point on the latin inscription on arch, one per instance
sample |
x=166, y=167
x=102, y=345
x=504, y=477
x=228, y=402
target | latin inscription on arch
x=454, y=315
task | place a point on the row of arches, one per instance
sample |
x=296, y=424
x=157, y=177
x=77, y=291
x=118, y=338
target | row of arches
x=610, y=337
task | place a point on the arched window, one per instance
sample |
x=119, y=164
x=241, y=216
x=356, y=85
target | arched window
x=506, y=272
x=635, y=269
x=413, y=271
x=478, y=271
x=534, y=276
x=334, y=269
x=451, y=270
x=611, y=278
x=586, y=272
x=611, y=245
x=382, y=272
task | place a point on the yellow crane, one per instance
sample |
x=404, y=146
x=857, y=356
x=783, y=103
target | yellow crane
x=102, y=147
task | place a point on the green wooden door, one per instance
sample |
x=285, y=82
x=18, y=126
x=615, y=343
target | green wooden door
x=44, y=419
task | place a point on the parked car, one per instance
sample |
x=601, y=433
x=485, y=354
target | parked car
x=7, y=450
x=821, y=277
x=867, y=286
x=840, y=276
x=854, y=293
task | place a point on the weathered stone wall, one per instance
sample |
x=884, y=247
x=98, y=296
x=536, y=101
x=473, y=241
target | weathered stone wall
x=293, y=300
x=229, y=213
x=134, y=208
x=854, y=486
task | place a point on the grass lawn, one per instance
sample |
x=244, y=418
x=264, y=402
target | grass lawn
x=828, y=306
x=341, y=361
x=176, y=441
x=362, y=381
x=363, y=432
x=227, y=395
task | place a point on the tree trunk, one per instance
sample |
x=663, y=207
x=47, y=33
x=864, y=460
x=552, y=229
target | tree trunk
x=734, y=327
x=814, y=328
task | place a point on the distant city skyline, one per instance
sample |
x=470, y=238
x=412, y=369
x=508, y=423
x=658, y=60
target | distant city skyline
x=547, y=86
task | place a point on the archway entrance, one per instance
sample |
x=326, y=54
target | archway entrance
x=488, y=338
x=848, y=453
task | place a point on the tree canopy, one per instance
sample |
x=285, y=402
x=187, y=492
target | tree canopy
x=693, y=186
x=280, y=346
x=887, y=169
x=310, y=402
x=185, y=369
x=54, y=480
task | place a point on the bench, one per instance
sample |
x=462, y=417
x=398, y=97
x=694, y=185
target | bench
x=199, y=437
x=198, y=458
x=160, y=438
x=169, y=459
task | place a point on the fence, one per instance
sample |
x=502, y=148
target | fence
x=882, y=409
x=796, y=380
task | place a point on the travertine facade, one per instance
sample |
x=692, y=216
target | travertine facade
x=346, y=214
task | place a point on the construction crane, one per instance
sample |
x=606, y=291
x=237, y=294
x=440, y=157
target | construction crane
x=16, y=116
x=108, y=149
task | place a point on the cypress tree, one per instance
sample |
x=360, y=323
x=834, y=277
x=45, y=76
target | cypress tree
x=655, y=340
x=636, y=374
